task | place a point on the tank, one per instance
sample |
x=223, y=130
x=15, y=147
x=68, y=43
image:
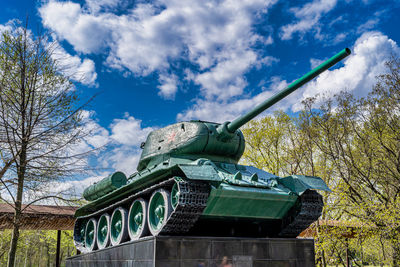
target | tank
x=189, y=182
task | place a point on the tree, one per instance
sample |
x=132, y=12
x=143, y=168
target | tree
x=266, y=139
x=40, y=121
x=37, y=247
x=362, y=140
x=354, y=145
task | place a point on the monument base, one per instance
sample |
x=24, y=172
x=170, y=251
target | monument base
x=174, y=251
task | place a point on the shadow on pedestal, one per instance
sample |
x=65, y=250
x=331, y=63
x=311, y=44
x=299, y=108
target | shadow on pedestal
x=171, y=251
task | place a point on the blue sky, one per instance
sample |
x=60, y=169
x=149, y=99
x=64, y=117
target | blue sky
x=157, y=62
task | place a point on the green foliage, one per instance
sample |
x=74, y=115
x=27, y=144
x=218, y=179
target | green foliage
x=354, y=145
x=37, y=248
x=266, y=139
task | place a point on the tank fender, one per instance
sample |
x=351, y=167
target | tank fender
x=201, y=169
x=300, y=183
x=204, y=169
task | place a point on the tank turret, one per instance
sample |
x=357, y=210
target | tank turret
x=218, y=142
x=191, y=140
x=189, y=182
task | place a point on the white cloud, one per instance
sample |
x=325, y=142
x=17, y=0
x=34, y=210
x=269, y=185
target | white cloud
x=168, y=85
x=308, y=18
x=339, y=38
x=98, y=136
x=368, y=25
x=227, y=75
x=125, y=159
x=371, y=51
x=85, y=32
x=217, y=37
x=99, y=5
x=128, y=131
x=116, y=148
x=68, y=189
x=7, y=27
x=72, y=187
x=77, y=69
x=121, y=158
x=122, y=142
x=119, y=144
x=123, y=152
x=219, y=111
x=372, y=22
x=226, y=111
x=314, y=62
x=367, y=60
x=120, y=152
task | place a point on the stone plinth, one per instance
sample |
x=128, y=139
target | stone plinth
x=171, y=251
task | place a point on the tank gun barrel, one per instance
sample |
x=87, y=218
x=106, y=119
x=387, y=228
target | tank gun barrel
x=240, y=121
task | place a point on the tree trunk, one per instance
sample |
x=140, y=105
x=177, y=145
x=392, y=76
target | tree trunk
x=18, y=205
x=48, y=253
x=14, y=240
x=323, y=258
x=396, y=253
x=26, y=255
x=40, y=255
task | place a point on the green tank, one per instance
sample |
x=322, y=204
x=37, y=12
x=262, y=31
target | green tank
x=189, y=182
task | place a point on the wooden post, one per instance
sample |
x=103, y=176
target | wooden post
x=58, y=248
x=347, y=253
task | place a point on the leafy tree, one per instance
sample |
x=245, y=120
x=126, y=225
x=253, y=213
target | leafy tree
x=354, y=145
x=37, y=247
x=266, y=139
x=362, y=140
x=39, y=121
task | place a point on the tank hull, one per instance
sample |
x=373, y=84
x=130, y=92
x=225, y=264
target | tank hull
x=215, y=199
x=248, y=202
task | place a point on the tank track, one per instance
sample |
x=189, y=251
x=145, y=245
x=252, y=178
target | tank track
x=311, y=208
x=192, y=201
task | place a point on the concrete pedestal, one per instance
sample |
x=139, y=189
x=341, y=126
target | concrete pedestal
x=172, y=251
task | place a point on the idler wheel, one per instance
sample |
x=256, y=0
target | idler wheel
x=175, y=192
x=79, y=234
x=103, y=231
x=119, y=231
x=90, y=235
x=159, y=210
x=137, y=219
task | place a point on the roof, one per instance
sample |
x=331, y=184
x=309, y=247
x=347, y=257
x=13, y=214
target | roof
x=39, y=217
x=350, y=226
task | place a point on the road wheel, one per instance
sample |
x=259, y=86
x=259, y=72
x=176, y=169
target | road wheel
x=103, y=231
x=90, y=235
x=159, y=210
x=137, y=219
x=118, y=225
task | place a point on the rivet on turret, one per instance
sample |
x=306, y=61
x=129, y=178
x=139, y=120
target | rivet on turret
x=254, y=177
x=237, y=176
